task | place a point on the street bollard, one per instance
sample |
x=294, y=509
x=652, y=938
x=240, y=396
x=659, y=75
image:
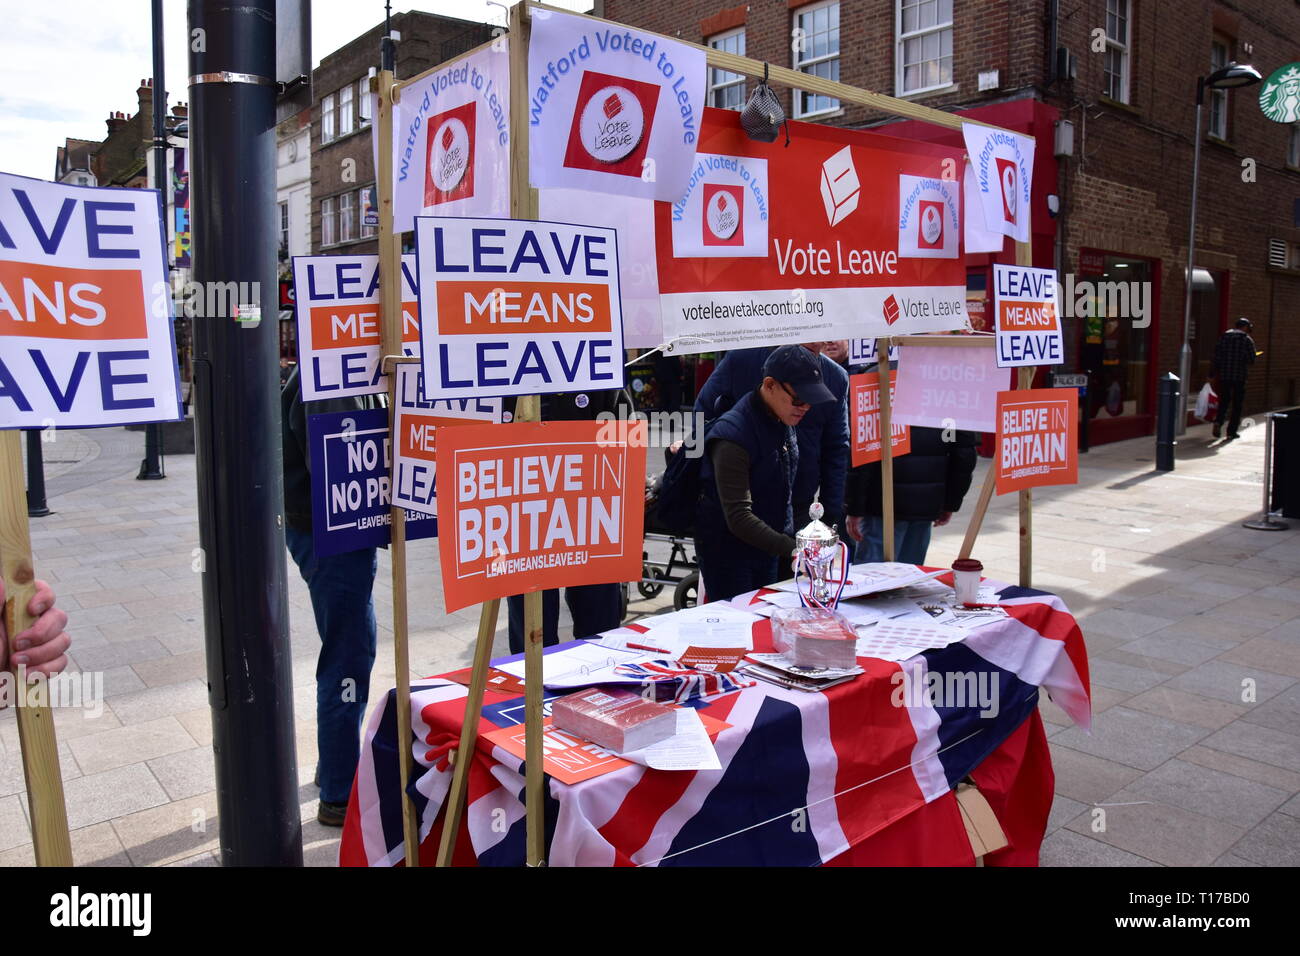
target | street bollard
x=1166, y=421
x=36, y=506
x=1266, y=521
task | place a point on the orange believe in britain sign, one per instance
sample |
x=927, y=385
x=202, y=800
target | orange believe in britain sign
x=1037, y=438
x=529, y=506
x=866, y=421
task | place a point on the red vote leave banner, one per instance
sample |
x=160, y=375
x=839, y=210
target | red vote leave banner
x=530, y=506
x=1037, y=438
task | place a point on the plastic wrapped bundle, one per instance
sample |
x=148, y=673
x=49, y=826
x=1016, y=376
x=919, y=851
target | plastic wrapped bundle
x=814, y=637
x=614, y=719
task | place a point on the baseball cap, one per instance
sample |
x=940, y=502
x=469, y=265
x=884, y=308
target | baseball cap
x=1245, y=323
x=795, y=366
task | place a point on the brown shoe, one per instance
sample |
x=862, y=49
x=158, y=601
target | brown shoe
x=331, y=814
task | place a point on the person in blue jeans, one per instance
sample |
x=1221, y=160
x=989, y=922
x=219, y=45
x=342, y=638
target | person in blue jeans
x=929, y=485
x=342, y=599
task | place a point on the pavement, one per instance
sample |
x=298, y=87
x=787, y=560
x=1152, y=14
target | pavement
x=1192, y=625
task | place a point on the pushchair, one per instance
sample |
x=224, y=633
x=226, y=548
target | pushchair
x=680, y=569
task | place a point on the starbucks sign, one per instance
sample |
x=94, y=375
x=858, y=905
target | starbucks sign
x=1280, y=97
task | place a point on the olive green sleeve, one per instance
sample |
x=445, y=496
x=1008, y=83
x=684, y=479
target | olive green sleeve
x=731, y=472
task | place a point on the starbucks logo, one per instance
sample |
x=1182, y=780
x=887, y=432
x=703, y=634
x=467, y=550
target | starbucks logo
x=931, y=225
x=612, y=124
x=723, y=215
x=451, y=155
x=1279, y=99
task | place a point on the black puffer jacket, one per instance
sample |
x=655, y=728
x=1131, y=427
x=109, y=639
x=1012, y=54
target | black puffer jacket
x=929, y=480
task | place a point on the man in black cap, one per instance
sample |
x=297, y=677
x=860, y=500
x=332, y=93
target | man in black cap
x=1234, y=354
x=744, y=523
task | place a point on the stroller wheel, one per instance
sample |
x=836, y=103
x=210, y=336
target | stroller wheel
x=651, y=590
x=687, y=593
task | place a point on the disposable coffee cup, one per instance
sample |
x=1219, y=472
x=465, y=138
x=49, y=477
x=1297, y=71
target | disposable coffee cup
x=966, y=579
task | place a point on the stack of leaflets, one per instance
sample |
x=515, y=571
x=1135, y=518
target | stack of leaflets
x=780, y=670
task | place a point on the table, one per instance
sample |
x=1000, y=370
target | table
x=859, y=774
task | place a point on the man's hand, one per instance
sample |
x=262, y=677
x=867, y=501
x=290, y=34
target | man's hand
x=43, y=646
x=856, y=526
x=943, y=519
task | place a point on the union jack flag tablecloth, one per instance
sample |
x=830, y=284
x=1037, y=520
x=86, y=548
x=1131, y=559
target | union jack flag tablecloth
x=805, y=777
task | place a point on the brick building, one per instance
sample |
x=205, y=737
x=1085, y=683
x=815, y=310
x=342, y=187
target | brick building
x=1122, y=75
x=342, y=155
x=73, y=160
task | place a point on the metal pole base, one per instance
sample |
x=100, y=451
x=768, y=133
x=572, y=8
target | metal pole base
x=1266, y=523
x=149, y=474
x=39, y=512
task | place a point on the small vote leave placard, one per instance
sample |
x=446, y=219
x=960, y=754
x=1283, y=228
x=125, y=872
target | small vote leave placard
x=531, y=506
x=1027, y=306
x=865, y=391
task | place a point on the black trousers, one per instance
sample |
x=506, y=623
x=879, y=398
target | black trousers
x=1234, y=394
x=595, y=608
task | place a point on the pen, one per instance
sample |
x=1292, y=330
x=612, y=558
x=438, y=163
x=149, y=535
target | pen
x=964, y=605
x=646, y=647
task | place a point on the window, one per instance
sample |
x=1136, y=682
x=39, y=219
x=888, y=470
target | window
x=327, y=222
x=727, y=90
x=817, y=52
x=367, y=205
x=363, y=102
x=347, y=217
x=346, y=114
x=1219, y=50
x=1293, y=148
x=924, y=54
x=1115, y=70
x=327, y=118
x=284, y=227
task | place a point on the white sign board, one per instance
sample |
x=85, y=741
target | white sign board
x=451, y=140
x=1004, y=178
x=611, y=108
x=417, y=421
x=516, y=307
x=85, y=311
x=1027, y=308
x=945, y=387
x=340, y=331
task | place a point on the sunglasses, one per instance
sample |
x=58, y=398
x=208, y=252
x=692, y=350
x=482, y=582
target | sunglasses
x=794, y=399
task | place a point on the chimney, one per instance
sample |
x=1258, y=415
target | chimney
x=180, y=111
x=115, y=122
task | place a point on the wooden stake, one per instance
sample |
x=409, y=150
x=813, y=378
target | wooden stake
x=464, y=755
x=1025, y=257
x=390, y=309
x=35, y=721
x=886, y=449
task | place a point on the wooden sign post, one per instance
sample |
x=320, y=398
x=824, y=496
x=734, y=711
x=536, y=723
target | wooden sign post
x=36, y=734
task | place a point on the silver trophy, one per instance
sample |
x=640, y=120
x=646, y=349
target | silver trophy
x=817, y=545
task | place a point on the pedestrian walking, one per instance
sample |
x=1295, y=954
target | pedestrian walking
x=1234, y=354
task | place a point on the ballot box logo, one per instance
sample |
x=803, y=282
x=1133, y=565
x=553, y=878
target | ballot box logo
x=930, y=230
x=840, y=186
x=450, y=168
x=611, y=124
x=892, y=310
x=1007, y=176
x=724, y=213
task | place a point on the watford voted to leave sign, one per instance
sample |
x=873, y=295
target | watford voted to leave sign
x=538, y=505
x=611, y=108
x=340, y=332
x=1002, y=168
x=85, y=310
x=418, y=421
x=451, y=140
x=514, y=307
x=1026, y=304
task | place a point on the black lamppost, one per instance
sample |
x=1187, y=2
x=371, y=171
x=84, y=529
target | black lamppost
x=1229, y=77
